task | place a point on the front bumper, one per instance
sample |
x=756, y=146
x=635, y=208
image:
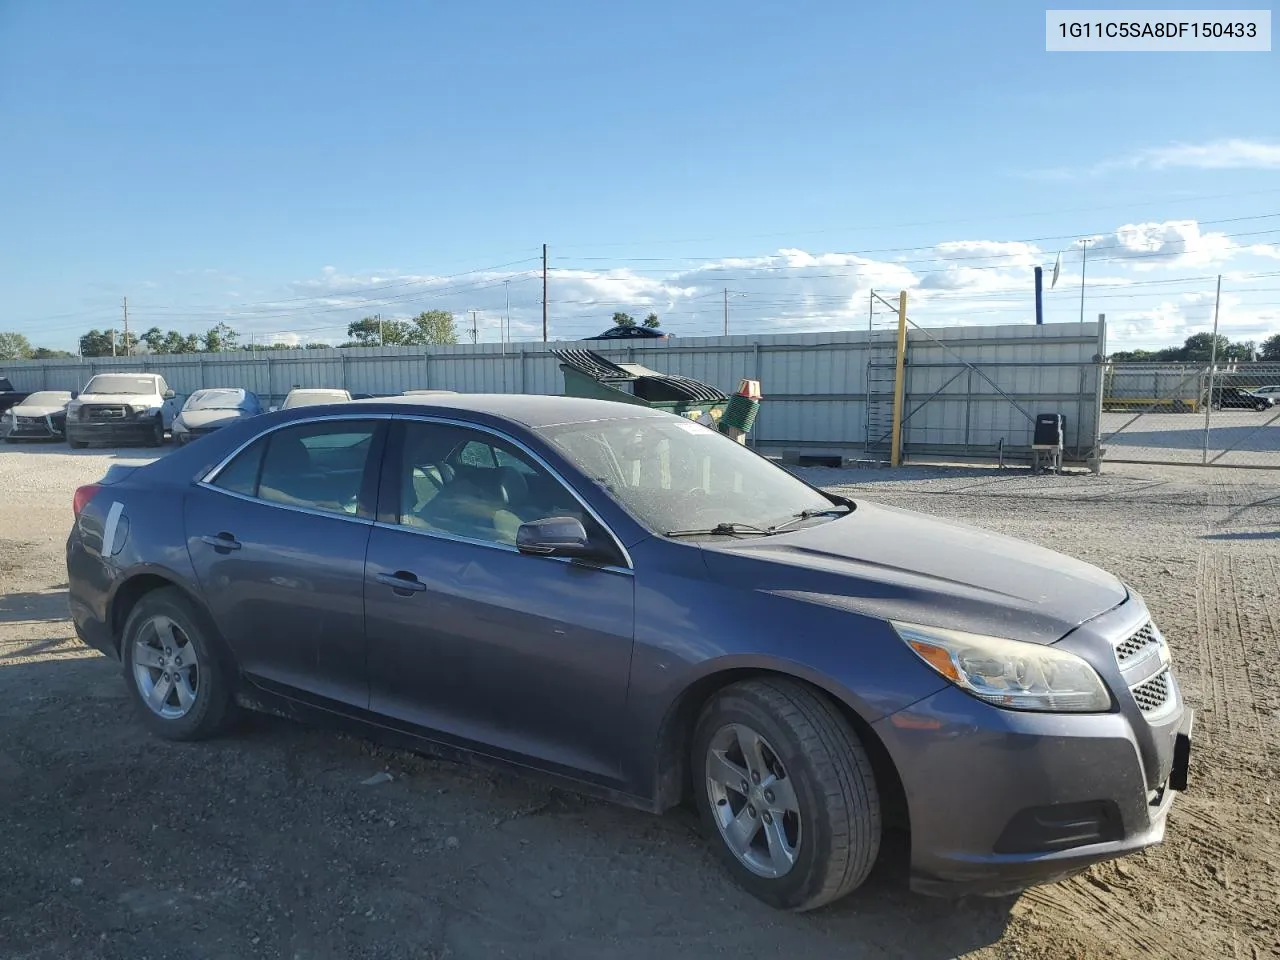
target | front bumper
x=1001, y=800
x=111, y=431
x=43, y=428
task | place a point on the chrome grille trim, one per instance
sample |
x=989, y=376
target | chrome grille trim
x=1154, y=694
x=1136, y=643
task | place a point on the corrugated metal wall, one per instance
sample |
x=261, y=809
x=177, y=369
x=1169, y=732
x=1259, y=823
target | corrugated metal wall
x=815, y=384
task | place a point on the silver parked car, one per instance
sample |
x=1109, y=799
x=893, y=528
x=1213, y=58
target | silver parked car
x=211, y=409
x=41, y=416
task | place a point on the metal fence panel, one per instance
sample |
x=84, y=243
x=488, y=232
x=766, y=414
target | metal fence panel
x=815, y=384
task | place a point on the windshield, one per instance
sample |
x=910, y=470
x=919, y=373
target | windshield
x=675, y=475
x=116, y=383
x=46, y=398
x=215, y=400
x=311, y=399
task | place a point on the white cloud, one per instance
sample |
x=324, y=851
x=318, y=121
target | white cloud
x=1230, y=154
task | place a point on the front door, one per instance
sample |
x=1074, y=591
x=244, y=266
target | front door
x=526, y=656
x=278, y=541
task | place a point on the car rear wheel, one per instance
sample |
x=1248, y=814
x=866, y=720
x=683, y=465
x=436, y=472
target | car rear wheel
x=176, y=669
x=1260, y=407
x=786, y=793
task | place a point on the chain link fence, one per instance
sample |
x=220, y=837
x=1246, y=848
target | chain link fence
x=1225, y=415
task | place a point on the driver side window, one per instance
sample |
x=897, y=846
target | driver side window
x=466, y=483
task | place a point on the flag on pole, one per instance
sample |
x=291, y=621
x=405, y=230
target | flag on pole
x=1057, y=266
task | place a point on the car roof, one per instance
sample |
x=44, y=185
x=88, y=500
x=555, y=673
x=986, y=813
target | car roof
x=318, y=390
x=530, y=410
x=205, y=390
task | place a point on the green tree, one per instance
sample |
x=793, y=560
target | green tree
x=154, y=339
x=219, y=338
x=1270, y=349
x=621, y=319
x=1199, y=348
x=14, y=346
x=318, y=346
x=44, y=353
x=652, y=321
x=373, y=332
x=434, y=326
x=98, y=343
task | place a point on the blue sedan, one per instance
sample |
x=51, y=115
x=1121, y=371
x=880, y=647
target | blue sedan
x=637, y=606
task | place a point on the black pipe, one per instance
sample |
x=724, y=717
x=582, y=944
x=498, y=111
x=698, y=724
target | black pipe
x=1039, y=296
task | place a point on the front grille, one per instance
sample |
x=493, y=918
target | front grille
x=31, y=421
x=1153, y=694
x=103, y=413
x=1137, y=642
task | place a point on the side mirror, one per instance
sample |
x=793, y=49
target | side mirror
x=169, y=394
x=554, y=536
x=75, y=394
x=272, y=409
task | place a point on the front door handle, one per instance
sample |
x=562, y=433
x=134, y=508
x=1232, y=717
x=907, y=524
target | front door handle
x=223, y=541
x=402, y=582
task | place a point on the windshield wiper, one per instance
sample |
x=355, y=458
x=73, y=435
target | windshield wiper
x=834, y=509
x=722, y=530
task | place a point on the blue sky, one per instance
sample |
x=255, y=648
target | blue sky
x=291, y=166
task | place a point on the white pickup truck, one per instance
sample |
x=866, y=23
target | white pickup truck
x=121, y=408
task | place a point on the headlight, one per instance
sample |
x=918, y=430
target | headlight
x=1009, y=673
x=141, y=412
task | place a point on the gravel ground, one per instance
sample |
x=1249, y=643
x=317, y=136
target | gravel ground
x=269, y=843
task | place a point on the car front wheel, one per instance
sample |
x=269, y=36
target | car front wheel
x=176, y=668
x=786, y=793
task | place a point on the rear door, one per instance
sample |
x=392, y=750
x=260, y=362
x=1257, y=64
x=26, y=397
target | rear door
x=529, y=655
x=278, y=539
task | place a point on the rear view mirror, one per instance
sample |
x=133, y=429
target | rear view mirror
x=554, y=536
x=169, y=394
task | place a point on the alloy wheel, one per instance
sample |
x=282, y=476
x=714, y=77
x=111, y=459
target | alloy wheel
x=166, y=668
x=753, y=801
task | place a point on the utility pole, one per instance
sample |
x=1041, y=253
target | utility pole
x=726, y=311
x=113, y=341
x=506, y=285
x=1084, y=257
x=382, y=339
x=1213, y=363
x=544, y=293
x=127, y=350
x=475, y=331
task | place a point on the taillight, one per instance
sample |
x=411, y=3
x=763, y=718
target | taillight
x=83, y=495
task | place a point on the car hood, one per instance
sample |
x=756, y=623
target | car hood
x=132, y=399
x=201, y=419
x=38, y=409
x=897, y=564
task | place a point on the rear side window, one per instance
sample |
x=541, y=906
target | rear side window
x=320, y=466
x=241, y=474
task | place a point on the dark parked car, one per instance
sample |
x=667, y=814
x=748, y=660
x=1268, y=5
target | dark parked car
x=637, y=606
x=1226, y=398
x=631, y=333
x=212, y=409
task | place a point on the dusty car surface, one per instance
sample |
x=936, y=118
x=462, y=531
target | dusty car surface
x=40, y=416
x=211, y=409
x=637, y=606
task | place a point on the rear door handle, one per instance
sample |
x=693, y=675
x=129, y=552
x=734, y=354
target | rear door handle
x=402, y=582
x=223, y=541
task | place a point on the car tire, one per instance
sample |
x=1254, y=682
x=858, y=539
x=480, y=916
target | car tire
x=1261, y=407
x=157, y=434
x=813, y=840
x=76, y=444
x=177, y=699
